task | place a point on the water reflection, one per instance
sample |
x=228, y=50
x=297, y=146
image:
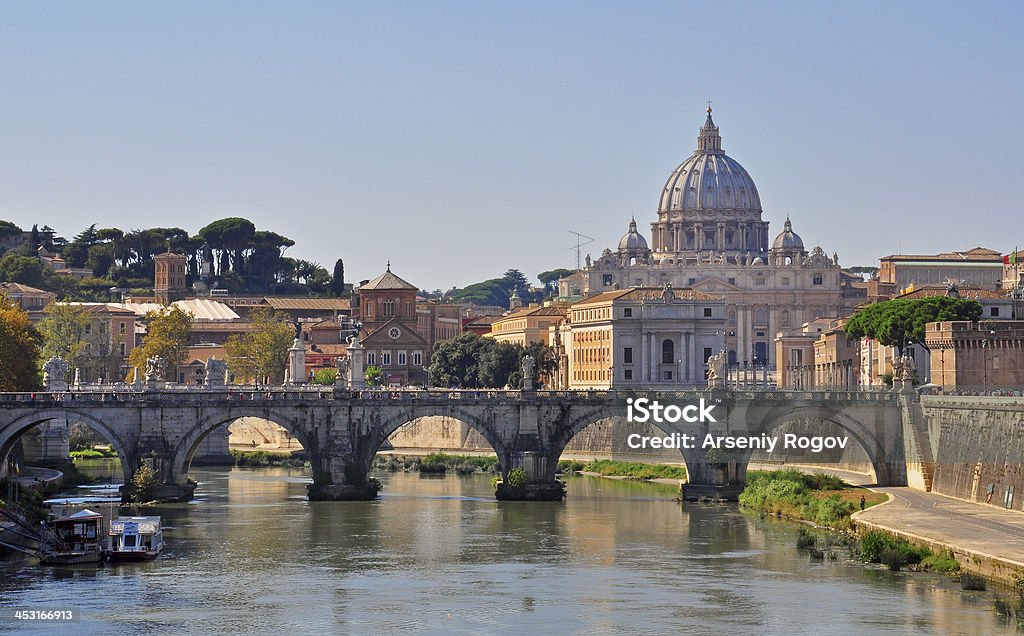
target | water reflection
x=439, y=554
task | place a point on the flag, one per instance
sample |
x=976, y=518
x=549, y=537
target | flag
x=1010, y=259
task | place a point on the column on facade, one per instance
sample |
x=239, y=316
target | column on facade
x=681, y=361
x=720, y=236
x=698, y=236
x=691, y=357
x=652, y=360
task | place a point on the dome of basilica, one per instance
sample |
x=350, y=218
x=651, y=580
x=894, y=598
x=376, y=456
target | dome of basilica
x=709, y=180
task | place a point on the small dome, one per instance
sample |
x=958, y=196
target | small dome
x=788, y=239
x=632, y=240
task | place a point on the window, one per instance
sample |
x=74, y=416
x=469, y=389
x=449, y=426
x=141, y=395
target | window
x=707, y=312
x=818, y=279
x=707, y=354
x=759, y=281
x=709, y=238
x=401, y=358
x=385, y=358
x=785, y=281
x=88, y=329
x=732, y=281
x=668, y=375
x=668, y=352
x=627, y=355
x=627, y=374
x=606, y=280
x=627, y=312
x=389, y=308
x=994, y=312
x=691, y=281
x=124, y=349
x=417, y=358
x=122, y=329
x=371, y=358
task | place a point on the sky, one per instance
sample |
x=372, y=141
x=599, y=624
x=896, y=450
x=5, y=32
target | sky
x=461, y=139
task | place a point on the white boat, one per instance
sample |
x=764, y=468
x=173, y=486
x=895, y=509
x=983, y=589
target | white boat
x=134, y=539
x=72, y=540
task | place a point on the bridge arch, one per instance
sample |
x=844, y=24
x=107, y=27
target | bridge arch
x=866, y=438
x=9, y=434
x=578, y=421
x=487, y=428
x=187, y=446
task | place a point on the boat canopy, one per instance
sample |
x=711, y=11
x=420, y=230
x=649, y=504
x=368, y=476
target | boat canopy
x=143, y=525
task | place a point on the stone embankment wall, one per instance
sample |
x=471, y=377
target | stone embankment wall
x=978, y=445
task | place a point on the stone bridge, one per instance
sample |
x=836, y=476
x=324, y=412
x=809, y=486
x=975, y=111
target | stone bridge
x=342, y=430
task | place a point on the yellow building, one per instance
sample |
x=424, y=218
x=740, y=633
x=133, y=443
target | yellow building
x=527, y=325
x=643, y=336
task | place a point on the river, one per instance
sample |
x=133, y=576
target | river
x=438, y=554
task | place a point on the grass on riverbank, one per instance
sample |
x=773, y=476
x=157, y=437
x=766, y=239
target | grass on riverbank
x=437, y=463
x=93, y=453
x=823, y=499
x=896, y=553
x=259, y=458
x=612, y=468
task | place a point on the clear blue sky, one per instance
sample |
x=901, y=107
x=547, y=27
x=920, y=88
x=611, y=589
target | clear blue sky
x=459, y=139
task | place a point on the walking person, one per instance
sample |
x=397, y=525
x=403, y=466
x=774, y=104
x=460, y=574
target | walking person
x=863, y=501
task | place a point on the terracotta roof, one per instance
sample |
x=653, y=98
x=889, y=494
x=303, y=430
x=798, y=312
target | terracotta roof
x=531, y=311
x=930, y=291
x=329, y=349
x=316, y=304
x=982, y=254
x=18, y=288
x=387, y=280
x=646, y=293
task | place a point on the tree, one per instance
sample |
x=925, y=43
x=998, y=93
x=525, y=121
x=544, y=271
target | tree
x=19, y=349
x=325, y=377
x=551, y=277
x=901, y=322
x=544, y=360
x=338, y=280
x=474, y=362
x=8, y=229
x=261, y=354
x=374, y=376
x=167, y=332
x=26, y=270
x=64, y=333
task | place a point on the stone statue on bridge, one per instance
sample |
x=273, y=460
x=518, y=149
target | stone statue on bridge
x=55, y=374
x=717, y=374
x=216, y=373
x=342, y=379
x=904, y=368
x=528, y=366
x=154, y=369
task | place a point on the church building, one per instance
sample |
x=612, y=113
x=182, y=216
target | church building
x=710, y=236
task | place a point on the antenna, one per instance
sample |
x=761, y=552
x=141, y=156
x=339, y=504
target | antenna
x=579, y=244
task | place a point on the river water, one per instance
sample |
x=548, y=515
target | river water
x=438, y=554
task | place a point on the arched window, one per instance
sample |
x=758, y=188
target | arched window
x=668, y=352
x=389, y=308
x=761, y=317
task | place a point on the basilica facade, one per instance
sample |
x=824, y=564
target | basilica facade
x=710, y=236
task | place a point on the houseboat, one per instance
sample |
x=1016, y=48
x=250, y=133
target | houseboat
x=72, y=540
x=134, y=539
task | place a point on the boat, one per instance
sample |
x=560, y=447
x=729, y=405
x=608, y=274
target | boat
x=72, y=540
x=134, y=539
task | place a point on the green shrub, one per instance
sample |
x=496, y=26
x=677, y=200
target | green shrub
x=570, y=466
x=805, y=539
x=517, y=477
x=884, y=548
x=943, y=562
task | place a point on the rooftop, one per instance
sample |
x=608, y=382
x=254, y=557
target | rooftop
x=647, y=294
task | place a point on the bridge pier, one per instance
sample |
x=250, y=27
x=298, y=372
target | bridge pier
x=347, y=479
x=717, y=480
x=539, y=483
